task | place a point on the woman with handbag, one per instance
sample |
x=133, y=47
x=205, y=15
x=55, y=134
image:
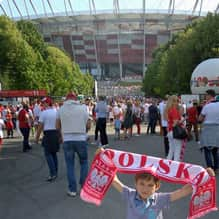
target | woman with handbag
x=137, y=116
x=128, y=121
x=173, y=115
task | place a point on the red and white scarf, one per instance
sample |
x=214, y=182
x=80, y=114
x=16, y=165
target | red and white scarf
x=107, y=163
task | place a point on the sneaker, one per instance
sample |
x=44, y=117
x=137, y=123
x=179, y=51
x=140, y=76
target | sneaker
x=96, y=142
x=51, y=178
x=71, y=194
x=216, y=171
x=104, y=146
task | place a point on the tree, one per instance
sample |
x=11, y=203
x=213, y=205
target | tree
x=172, y=66
x=32, y=36
x=29, y=63
x=63, y=75
x=59, y=72
x=17, y=57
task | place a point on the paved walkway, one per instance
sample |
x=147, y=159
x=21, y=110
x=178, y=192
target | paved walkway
x=24, y=194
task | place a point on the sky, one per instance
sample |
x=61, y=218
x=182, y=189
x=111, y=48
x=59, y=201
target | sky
x=79, y=6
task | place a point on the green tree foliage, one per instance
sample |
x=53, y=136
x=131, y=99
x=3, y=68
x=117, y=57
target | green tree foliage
x=170, y=72
x=28, y=63
x=83, y=83
x=17, y=61
x=59, y=71
x=31, y=35
x=64, y=76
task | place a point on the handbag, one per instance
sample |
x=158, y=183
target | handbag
x=179, y=132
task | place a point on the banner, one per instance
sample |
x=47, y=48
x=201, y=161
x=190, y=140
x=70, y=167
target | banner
x=107, y=163
x=23, y=93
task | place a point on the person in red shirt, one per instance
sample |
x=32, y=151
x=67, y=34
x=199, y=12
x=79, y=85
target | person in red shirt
x=1, y=108
x=192, y=121
x=173, y=115
x=9, y=124
x=24, y=126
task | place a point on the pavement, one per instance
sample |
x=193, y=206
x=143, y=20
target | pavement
x=24, y=193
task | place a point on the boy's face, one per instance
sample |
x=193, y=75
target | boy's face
x=145, y=188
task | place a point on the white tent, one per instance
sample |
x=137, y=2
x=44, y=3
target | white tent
x=205, y=76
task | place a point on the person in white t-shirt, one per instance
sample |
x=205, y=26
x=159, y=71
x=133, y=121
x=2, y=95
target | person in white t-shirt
x=51, y=137
x=146, y=111
x=4, y=113
x=209, y=138
x=161, y=107
x=2, y=125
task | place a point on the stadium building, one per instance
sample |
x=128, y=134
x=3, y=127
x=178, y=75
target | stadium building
x=114, y=40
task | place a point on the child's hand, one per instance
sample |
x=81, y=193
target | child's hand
x=115, y=178
x=210, y=171
x=99, y=150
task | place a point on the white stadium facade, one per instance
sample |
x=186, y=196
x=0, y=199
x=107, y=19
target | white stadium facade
x=112, y=39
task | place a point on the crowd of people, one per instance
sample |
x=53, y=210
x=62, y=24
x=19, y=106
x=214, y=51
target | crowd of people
x=67, y=123
x=125, y=113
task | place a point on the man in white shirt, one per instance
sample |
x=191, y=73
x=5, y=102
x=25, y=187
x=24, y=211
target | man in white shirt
x=2, y=125
x=209, y=138
x=101, y=110
x=146, y=111
x=51, y=140
x=73, y=121
x=161, y=107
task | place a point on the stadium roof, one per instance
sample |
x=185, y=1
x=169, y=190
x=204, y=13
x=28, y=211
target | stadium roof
x=35, y=9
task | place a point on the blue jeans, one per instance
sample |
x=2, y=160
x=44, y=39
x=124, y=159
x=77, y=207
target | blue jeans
x=80, y=147
x=52, y=162
x=211, y=157
x=25, y=132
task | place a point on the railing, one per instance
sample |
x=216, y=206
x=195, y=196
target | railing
x=98, y=12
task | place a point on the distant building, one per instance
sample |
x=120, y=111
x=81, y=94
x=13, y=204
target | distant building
x=113, y=41
x=111, y=47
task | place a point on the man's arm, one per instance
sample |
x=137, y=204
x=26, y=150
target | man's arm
x=39, y=130
x=201, y=118
x=58, y=127
x=88, y=125
x=58, y=124
x=202, y=115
